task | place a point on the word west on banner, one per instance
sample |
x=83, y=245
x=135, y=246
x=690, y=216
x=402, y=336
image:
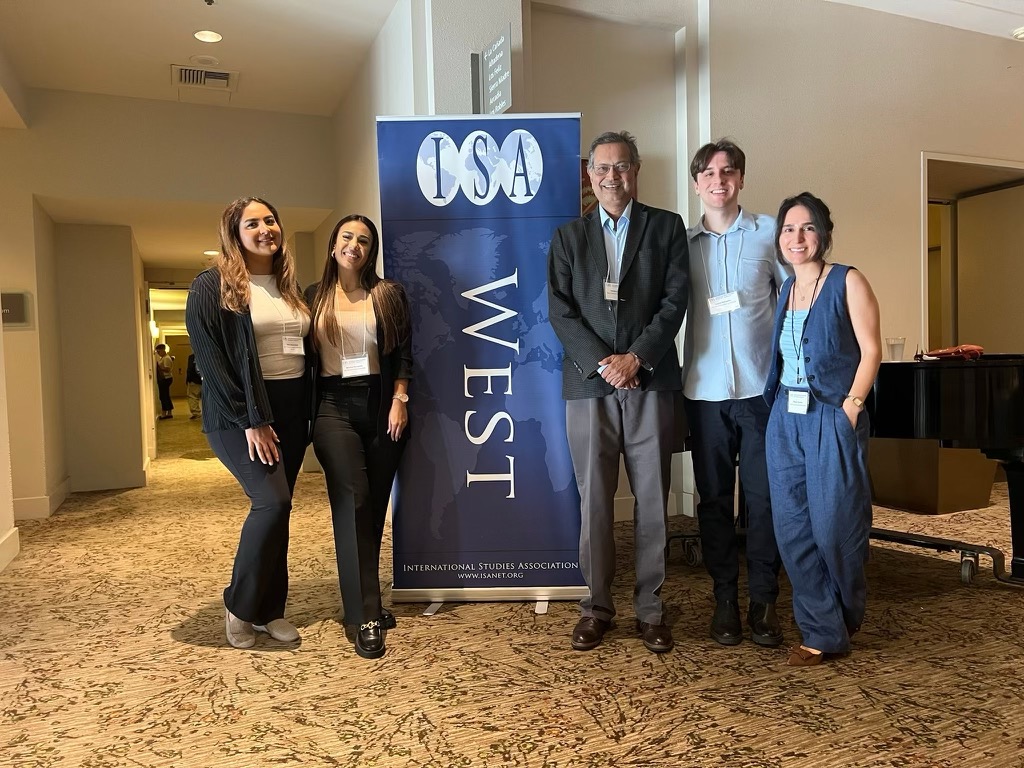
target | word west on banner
x=486, y=505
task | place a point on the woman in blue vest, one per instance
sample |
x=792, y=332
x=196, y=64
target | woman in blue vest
x=827, y=349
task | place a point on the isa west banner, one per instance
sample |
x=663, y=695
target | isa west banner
x=486, y=505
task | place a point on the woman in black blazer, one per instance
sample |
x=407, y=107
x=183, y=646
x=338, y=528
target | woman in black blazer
x=362, y=365
x=247, y=320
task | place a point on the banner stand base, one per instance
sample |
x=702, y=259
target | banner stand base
x=483, y=594
x=432, y=609
x=541, y=608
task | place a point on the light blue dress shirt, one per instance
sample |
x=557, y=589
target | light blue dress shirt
x=614, y=244
x=728, y=356
x=615, y=239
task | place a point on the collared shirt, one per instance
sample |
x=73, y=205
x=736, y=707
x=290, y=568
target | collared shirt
x=728, y=356
x=615, y=239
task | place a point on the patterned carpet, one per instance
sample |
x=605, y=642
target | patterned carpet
x=112, y=654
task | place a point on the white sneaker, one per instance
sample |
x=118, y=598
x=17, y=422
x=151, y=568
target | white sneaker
x=280, y=630
x=240, y=634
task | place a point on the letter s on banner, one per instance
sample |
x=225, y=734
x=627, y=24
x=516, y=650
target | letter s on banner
x=479, y=167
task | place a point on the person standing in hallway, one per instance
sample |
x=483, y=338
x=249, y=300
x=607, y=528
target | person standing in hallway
x=617, y=294
x=247, y=322
x=194, y=388
x=825, y=355
x=734, y=285
x=363, y=363
x=164, y=379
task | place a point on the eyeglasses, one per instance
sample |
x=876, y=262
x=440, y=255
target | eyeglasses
x=604, y=170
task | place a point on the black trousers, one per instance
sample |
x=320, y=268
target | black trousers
x=721, y=431
x=359, y=462
x=163, y=386
x=259, y=580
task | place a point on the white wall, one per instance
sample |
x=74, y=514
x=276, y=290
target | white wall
x=9, y=539
x=632, y=89
x=990, y=261
x=384, y=86
x=103, y=383
x=842, y=101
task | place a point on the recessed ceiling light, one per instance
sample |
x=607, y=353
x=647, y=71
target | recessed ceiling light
x=207, y=36
x=211, y=253
x=1018, y=34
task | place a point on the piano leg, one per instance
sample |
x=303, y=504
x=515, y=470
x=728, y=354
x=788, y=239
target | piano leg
x=969, y=553
x=1015, y=488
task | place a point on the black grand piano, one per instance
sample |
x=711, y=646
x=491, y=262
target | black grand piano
x=962, y=404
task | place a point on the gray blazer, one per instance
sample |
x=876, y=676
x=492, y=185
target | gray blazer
x=654, y=286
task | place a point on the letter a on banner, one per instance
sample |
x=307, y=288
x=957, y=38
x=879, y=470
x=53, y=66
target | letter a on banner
x=485, y=505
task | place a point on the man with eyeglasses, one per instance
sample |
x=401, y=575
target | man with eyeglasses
x=617, y=293
x=727, y=352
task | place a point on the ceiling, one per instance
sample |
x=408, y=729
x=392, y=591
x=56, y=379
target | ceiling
x=295, y=56
x=949, y=180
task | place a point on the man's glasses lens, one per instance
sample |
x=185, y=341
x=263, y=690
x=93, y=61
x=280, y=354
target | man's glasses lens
x=604, y=170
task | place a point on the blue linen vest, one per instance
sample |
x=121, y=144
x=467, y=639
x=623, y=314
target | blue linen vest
x=830, y=348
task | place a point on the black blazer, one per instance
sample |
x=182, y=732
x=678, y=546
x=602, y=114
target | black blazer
x=395, y=365
x=654, y=286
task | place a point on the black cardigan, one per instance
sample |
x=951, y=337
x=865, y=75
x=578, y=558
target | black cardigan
x=397, y=364
x=224, y=344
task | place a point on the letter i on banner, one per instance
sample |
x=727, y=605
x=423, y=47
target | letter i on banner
x=469, y=205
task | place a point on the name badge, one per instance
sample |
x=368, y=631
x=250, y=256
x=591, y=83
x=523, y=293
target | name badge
x=292, y=345
x=724, y=303
x=611, y=291
x=798, y=401
x=357, y=365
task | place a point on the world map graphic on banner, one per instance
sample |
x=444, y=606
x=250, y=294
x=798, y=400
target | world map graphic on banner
x=536, y=368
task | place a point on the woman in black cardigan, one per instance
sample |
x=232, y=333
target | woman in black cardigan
x=246, y=320
x=360, y=335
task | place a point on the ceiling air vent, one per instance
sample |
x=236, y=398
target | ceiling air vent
x=201, y=77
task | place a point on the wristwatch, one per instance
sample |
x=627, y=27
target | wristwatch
x=400, y=397
x=856, y=401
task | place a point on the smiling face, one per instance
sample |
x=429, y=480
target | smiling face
x=798, y=237
x=352, y=247
x=615, y=188
x=718, y=186
x=259, y=232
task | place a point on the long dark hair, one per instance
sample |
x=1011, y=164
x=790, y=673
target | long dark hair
x=388, y=296
x=234, y=273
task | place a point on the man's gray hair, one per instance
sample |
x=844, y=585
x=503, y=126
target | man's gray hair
x=612, y=137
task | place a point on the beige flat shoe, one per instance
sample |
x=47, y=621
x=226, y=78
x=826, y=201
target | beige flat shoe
x=279, y=629
x=240, y=633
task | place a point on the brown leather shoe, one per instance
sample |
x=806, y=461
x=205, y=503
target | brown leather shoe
x=657, y=637
x=801, y=657
x=589, y=632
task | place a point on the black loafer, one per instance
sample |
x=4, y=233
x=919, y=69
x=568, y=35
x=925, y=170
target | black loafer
x=589, y=632
x=726, y=628
x=387, y=619
x=764, y=625
x=370, y=640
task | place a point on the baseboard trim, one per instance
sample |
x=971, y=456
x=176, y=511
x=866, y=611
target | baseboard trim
x=10, y=546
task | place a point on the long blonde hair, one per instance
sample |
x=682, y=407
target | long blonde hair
x=234, y=274
x=387, y=295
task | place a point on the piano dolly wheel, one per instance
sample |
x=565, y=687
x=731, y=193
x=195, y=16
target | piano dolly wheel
x=968, y=567
x=692, y=552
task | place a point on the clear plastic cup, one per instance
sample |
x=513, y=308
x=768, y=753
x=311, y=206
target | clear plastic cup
x=895, y=345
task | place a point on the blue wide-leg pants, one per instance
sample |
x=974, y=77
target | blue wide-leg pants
x=821, y=503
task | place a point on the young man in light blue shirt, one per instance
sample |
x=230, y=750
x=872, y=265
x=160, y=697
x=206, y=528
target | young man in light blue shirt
x=734, y=283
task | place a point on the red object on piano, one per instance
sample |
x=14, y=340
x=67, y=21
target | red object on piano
x=960, y=352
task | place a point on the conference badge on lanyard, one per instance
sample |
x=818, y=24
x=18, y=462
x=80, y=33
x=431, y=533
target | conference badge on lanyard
x=724, y=303
x=356, y=365
x=798, y=401
x=611, y=291
x=291, y=340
